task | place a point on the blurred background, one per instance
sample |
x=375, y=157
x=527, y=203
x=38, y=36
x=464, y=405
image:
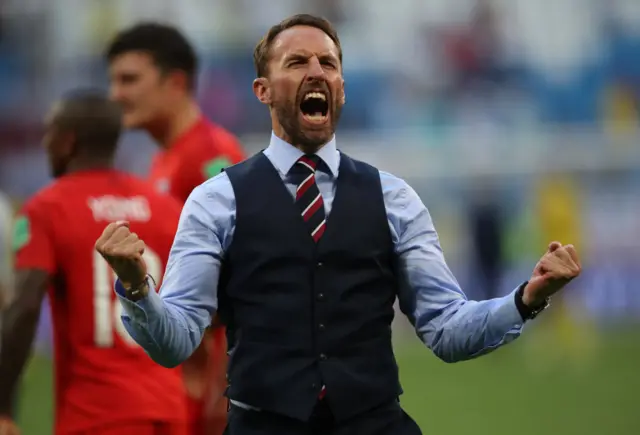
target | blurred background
x=515, y=120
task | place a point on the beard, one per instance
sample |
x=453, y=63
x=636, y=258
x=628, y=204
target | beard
x=290, y=118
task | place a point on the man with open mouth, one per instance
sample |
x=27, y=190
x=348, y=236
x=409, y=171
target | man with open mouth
x=304, y=89
x=302, y=251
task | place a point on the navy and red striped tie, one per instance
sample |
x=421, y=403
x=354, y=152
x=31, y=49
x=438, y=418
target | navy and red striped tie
x=309, y=199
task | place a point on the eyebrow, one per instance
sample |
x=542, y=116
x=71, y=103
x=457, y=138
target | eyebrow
x=306, y=55
x=296, y=56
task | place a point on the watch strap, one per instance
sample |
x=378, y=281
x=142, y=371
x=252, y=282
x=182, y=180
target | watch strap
x=527, y=312
x=139, y=291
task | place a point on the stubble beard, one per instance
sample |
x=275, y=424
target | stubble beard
x=289, y=118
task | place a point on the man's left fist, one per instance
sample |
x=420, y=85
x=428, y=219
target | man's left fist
x=557, y=267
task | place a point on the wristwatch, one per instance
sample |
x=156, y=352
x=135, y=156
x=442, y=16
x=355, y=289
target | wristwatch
x=527, y=312
x=136, y=292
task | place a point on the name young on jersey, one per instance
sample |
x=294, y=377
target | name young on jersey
x=112, y=208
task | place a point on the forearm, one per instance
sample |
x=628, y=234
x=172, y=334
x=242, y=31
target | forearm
x=168, y=332
x=467, y=329
x=17, y=332
x=5, y=297
x=170, y=325
x=454, y=328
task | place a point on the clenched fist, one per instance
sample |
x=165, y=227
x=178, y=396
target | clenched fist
x=123, y=251
x=557, y=267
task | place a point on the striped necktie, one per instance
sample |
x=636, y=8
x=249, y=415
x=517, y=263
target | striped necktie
x=308, y=197
x=309, y=200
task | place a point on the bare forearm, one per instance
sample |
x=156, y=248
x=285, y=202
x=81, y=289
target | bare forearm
x=4, y=297
x=17, y=332
x=19, y=322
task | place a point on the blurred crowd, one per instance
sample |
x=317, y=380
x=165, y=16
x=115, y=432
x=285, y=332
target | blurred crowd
x=516, y=120
x=559, y=61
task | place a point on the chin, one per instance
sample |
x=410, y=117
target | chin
x=316, y=138
x=318, y=132
x=132, y=122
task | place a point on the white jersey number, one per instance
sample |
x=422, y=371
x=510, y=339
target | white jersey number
x=106, y=309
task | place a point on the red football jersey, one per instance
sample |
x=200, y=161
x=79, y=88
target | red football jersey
x=199, y=154
x=101, y=376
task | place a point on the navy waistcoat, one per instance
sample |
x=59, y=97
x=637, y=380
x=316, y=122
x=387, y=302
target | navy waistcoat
x=301, y=315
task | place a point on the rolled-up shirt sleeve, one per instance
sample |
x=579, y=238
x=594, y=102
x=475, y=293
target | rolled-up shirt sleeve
x=170, y=324
x=452, y=326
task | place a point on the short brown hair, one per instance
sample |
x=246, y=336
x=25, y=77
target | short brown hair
x=167, y=46
x=262, y=51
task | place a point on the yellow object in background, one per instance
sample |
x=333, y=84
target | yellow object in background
x=557, y=207
x=567, y=336
x=620, y=111
x=101, y=23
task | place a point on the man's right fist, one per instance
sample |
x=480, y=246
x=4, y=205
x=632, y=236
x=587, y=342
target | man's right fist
x=123, y=251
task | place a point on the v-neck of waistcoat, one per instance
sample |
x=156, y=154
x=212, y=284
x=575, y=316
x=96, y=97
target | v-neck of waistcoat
x=345, y=173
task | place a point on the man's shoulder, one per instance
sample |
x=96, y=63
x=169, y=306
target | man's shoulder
x=245, y=166
x=212, y=139
x=391, y=181
x=216, y=186
x=51, y=194
x=395, y=190
x=220, y=134
x=387, y=179
x=48, y=213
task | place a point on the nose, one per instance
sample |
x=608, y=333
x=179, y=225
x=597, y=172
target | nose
x=315, y=71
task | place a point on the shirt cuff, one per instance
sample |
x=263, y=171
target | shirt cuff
x=143, y=310
x=508, y=311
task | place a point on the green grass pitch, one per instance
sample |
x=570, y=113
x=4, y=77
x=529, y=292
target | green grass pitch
x=536, y=386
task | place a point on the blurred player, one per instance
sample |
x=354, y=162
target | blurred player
x=153, y=71
x=6, y=272
x=104, y=383
x=6, y=223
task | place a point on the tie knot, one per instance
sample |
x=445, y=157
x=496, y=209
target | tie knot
x=309, y=161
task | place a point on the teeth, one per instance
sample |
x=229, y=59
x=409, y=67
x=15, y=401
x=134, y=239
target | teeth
x=316, y=117
x=315, y=95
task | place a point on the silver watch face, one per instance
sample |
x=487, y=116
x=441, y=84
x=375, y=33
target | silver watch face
x=537, y=311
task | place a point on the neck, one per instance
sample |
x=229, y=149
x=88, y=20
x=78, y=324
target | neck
x=180, y=119
x=89, y=164
x=307, y=148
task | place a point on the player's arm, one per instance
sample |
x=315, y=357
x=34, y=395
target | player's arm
x=231, y=153
x=4, y=296
x=170, y=325
x=453, y=327
x=34, y=266
x=6, y=219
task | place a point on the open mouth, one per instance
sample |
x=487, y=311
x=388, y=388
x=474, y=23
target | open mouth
x=314, y=107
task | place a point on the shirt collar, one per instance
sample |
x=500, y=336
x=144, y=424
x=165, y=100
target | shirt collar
x=284, y=155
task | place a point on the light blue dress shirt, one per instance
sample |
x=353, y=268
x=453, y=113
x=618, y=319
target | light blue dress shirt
x=170, y=325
